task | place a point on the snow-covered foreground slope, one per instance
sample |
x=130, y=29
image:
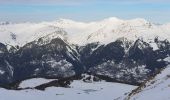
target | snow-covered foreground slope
x=78, y=90
x=157, y=88
x=81, y=33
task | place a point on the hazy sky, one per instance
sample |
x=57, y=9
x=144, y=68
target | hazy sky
x=157, y=11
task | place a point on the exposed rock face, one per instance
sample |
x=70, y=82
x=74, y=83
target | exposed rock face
x=122, y=60
x=6, y=70
x=126, y=62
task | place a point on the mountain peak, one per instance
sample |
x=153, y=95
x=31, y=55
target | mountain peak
x=138, y=21
x=64, y=20
x=112, y=19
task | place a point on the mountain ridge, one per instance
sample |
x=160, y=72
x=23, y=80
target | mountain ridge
x=82, y=33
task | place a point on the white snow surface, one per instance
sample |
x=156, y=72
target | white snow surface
x=78, y=90
x=1, y=52
x=30, y=83
x=81, y=33
x=1, y=72
x=167, y=59
x=156, y=89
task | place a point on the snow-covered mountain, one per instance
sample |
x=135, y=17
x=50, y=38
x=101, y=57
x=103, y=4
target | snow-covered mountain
x=156, y=88
x=20, y=34
x=126, y=51
x=81, y=33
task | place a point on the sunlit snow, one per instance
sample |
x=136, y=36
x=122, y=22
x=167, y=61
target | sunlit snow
x=78, y=90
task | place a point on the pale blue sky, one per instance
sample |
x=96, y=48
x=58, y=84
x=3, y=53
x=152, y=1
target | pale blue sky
x=157, y=11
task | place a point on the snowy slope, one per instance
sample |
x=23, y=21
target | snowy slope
x=20, y=34
x=30, y=83
x=81, y=33
x=78, y=90
x=157, y=88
